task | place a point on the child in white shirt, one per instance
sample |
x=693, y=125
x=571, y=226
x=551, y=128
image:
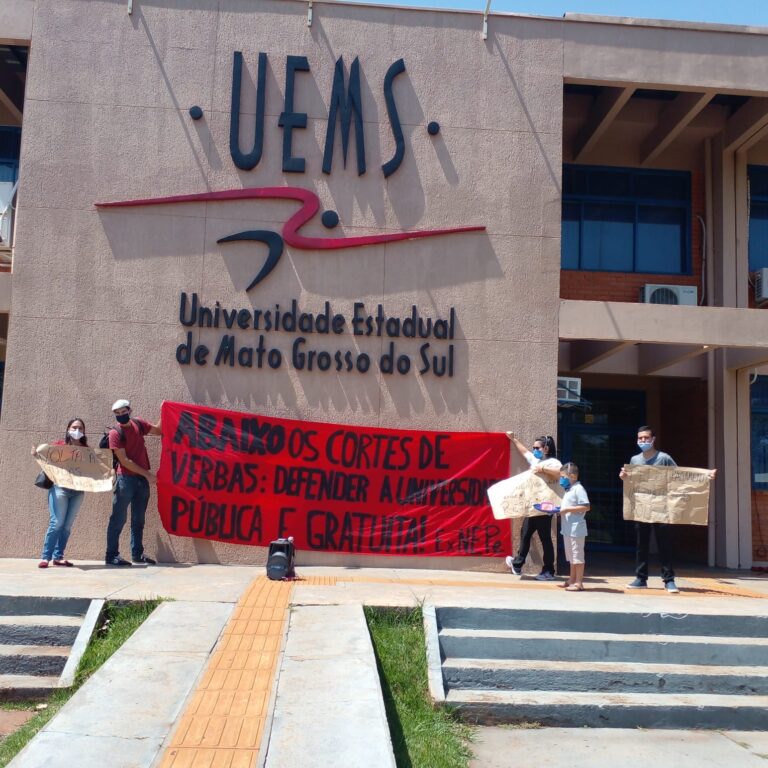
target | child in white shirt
x=573, y=509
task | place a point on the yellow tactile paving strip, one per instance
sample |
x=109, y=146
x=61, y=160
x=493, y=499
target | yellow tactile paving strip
x=226, y=717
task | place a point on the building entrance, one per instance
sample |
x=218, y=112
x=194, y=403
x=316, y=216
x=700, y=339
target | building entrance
x=599, y=437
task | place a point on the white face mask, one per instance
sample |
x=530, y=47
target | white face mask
x=75, y=434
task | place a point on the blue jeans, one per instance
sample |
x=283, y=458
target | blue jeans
x=133, y=490
x=63, y=504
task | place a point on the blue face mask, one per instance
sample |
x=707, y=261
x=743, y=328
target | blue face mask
x=645, y=446
x=538, y=453
x=565, y=483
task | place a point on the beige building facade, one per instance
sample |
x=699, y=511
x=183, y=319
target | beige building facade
x=535, y=139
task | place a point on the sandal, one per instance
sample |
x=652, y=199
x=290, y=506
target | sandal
x=42, y=564
x=564, y=585
x=574, y=588
x=63, y=563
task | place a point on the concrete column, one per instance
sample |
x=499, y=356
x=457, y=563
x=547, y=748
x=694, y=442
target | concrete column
x=725, y=498
x=730, y=417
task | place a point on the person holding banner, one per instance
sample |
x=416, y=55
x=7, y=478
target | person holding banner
x=542, y=459
x=126, y=440
x=63, y=505
x=650, y=456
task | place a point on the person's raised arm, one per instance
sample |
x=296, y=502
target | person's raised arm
x=524, y=452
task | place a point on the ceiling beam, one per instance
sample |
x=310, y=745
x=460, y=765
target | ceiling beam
x=655, y=357
x=585, y=354
x=746, y=358
x=750, y=119
x=674, y=118
x=605, y=110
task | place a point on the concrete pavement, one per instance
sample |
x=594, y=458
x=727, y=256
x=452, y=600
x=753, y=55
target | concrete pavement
x=325, y=603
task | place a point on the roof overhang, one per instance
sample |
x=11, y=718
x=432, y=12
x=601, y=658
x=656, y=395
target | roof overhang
x=658, y=340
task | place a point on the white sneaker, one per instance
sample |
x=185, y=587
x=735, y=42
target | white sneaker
x=545, y=576
x=671, y=587
x=510, y=561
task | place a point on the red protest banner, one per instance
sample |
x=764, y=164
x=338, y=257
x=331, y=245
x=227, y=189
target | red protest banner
x=247, y=479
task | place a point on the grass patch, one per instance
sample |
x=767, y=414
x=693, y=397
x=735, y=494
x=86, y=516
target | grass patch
x=118, y=622
x=423, y=736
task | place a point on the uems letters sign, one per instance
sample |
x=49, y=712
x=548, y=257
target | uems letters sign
x=246, y=479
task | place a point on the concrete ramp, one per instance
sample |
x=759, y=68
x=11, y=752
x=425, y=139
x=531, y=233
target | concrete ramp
x=329, y=711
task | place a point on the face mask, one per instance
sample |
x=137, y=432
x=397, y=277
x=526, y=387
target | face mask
x=538, y=453
x=75, y=434
x=123, y=418
x=643, y=446
x=565, y=483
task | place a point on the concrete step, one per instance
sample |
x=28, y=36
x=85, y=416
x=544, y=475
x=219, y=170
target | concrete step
x=27, y=687
x=602, y=621
x=601, y=646
x=537, y=675
x=615, y=710
x=39, y=630
x=32, y=660
x=23, y=605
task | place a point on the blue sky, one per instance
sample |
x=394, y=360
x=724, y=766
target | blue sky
x=753, y=12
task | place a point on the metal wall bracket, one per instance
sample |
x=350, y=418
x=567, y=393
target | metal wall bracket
x=485, y=19
x=130, y=7
x=309, y=13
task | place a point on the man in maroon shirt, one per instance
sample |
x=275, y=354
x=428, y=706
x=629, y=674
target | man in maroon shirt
x=133, y=478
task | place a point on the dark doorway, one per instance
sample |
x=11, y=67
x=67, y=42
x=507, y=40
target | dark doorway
x=599, y=439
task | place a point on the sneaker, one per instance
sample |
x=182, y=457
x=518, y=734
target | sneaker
x=117, y=560
x=638, y=583
x=510, y=561
x=671, y=587
x=545, y=576
x=144, y=559
x=42, y=564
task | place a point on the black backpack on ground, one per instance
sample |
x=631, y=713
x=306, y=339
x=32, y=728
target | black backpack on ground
x=280, y=560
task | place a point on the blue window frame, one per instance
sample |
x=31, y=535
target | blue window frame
x=758, y=216
x=759, y=428
x=626, y=220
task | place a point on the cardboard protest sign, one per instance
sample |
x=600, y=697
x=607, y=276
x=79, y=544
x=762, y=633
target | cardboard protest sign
x=247, y=479
x=515, y=496
x=675, y=495
x=77, y=467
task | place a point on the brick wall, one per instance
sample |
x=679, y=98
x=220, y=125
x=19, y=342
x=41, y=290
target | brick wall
x=623, y=286
x=760, y=526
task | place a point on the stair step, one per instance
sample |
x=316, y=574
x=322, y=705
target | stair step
x=601, y=646
x=538, y=675
x=22, y=605
x=614, y=710
x=41, y=620
x=26, y=687
x=32, y=660
x=603, y=621
x=26, y=632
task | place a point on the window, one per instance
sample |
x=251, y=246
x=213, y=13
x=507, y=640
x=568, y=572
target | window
x=759, y=425
x=758, y=216
x=626, y=220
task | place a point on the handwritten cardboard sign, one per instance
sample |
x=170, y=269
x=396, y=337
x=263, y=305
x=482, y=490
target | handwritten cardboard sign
x=77, y=467
x=248, y=479
x=675, y=495
x=515, y=496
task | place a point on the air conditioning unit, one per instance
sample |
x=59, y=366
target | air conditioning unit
x=761, y=287
x=685, y=295
x=569, y=389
